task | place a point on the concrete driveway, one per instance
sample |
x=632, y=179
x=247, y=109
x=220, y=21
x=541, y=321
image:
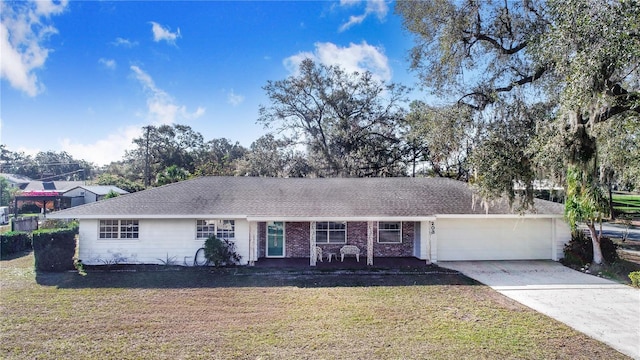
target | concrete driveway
x=602, y=309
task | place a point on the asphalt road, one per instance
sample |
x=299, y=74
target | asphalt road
x=616, y=231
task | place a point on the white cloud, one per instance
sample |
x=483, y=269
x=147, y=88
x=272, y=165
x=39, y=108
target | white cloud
x=124, y=42
x=161, y=107
x=378, y=8
x=108, y=63
x=50, y=7
x=234, y=99
x=23, y=30
x=292, y=63
x=356, y=57
x=27, y=150
x=104, y=151
x=161, y=33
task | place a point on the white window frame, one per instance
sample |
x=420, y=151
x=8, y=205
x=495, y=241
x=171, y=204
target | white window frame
x=226, y=229
x=128, y=229
x=205, y=228
x=221, y=228
x=328, y=231
x=390, y=231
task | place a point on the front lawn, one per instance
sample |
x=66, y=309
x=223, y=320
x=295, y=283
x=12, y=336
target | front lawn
x=208, y=314
x=627, y=204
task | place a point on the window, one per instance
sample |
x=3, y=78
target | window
x=205, y=228
x=225, y=229
x=128, y=229
x=222, y=229
x=108, y=229
x=119, y=229
x=390, y=232
x=331, y=232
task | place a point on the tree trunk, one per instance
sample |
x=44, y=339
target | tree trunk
x=612, y=213
x=413, y=171
x=595, y=240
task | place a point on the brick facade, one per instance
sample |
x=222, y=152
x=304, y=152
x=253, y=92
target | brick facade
x=262, y=239
x=297, y=240
x=395, y=250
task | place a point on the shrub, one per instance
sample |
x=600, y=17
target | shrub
x=13, y=242
x=635, y=278
x=579, y=251
x=59, y=224
x=54, y=250
x=220, y=252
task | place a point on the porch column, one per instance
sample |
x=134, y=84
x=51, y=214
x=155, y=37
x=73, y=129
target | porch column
x=369, y=242
x=425, y=240
x=432, y=245
x=312, y=244
x=253, y=241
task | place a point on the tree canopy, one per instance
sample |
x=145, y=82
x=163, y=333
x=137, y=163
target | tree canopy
x=347, y=122
x=549, y=81
x=441, y=137
x=45, y=165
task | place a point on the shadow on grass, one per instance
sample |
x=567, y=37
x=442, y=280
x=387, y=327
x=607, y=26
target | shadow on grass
x=175, y=278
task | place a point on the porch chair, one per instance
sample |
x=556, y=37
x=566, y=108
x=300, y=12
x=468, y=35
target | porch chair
x=350, y=250
x=319, y=253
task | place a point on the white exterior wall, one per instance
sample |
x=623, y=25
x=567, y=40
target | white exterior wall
x=496, y=239
x=87, y=196
x=158, y=239
x=424, y=247
x=562, y=235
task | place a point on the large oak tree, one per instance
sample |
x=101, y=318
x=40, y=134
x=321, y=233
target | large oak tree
x=347, y=122
x=502, y=58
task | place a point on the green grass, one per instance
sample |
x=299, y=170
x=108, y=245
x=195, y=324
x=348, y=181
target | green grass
x=619, y=196
x=251, y=314
x=626, y=203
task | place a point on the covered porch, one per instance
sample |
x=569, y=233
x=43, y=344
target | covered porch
x=42, y=198
x=385, y=242
x=381, y=263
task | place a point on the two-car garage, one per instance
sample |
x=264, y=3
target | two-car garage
x=496, y=238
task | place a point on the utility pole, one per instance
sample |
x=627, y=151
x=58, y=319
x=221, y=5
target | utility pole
x=146, y=158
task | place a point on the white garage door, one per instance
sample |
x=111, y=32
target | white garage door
x=494, y=239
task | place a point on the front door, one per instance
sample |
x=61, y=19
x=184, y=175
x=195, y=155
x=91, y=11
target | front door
x=275, y=239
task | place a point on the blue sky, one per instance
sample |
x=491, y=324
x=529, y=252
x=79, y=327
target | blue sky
x=85, y=76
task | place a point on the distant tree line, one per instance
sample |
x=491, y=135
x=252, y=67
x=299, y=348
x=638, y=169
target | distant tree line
x=324, y=123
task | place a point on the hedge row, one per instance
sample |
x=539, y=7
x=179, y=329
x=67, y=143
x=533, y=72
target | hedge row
x=54, y=249
x=13, y=242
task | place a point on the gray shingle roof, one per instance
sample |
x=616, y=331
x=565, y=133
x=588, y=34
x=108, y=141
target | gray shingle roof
x=101, y=189
x=57, y=185
x=16, y=179
x=299, y=198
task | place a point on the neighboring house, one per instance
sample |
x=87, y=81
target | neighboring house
x=45, y=194
x=16, y=181
x=433, y=219
x=87, y=194
x=58, y=186
x=56, y=195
